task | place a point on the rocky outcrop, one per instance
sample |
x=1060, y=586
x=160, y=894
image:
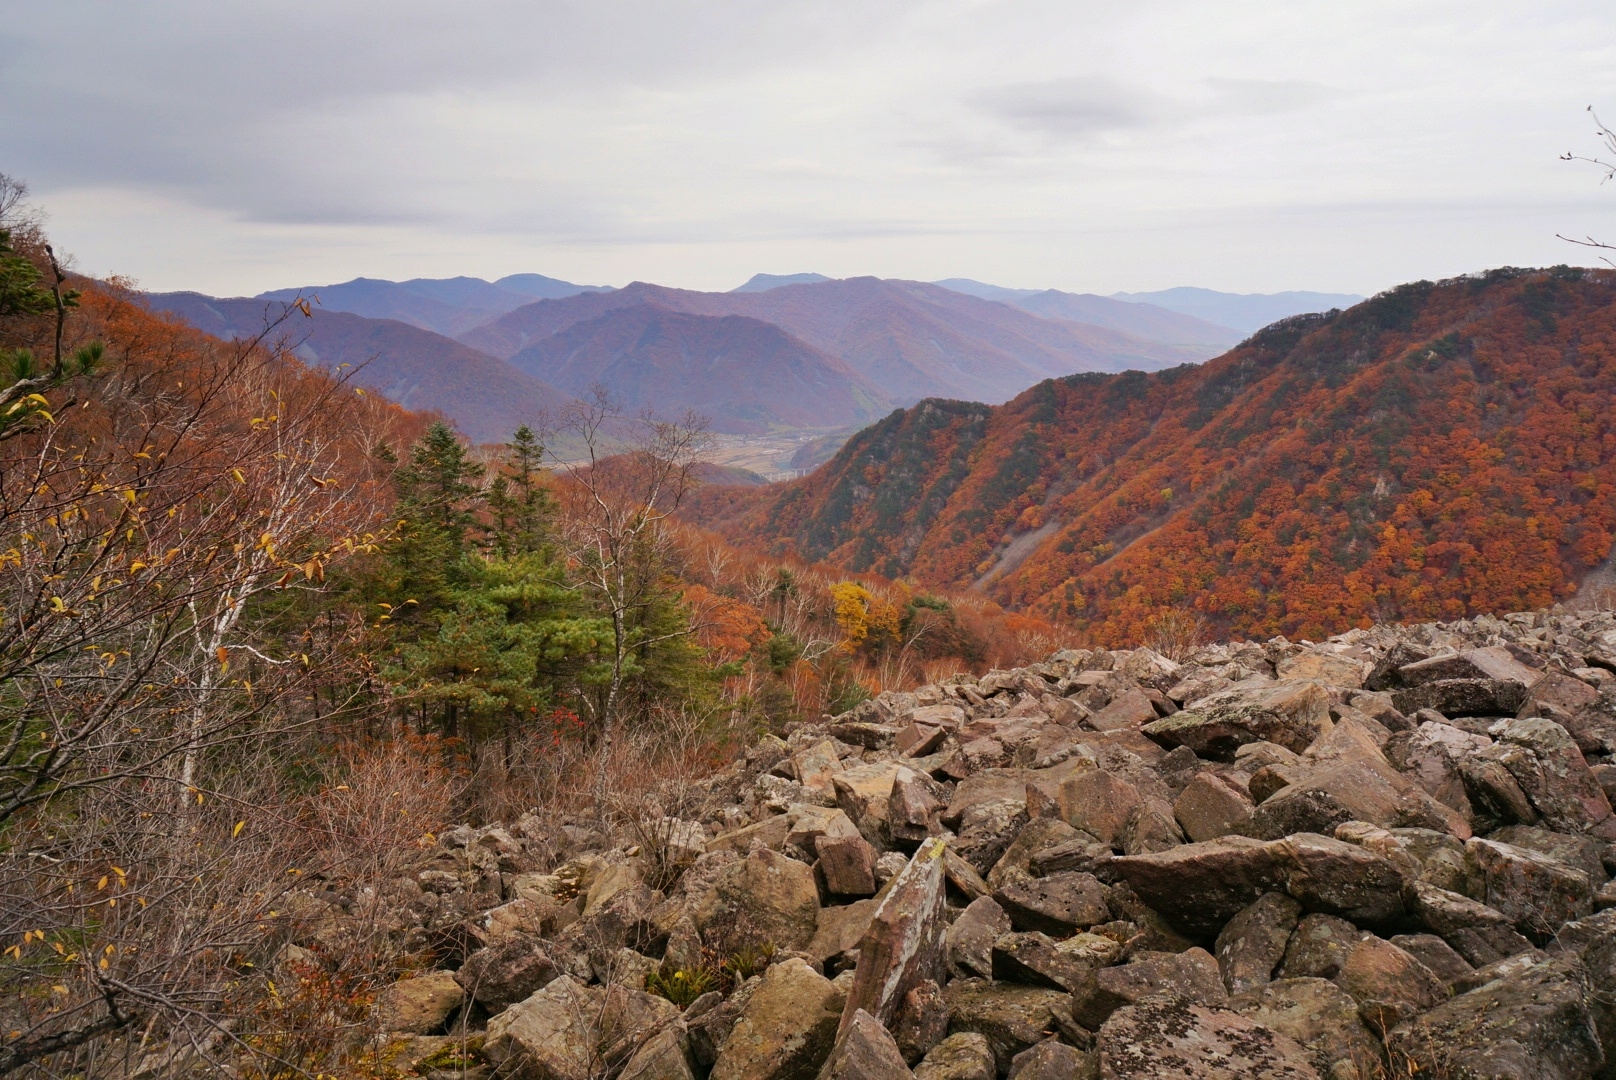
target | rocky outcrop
x=1379, y=853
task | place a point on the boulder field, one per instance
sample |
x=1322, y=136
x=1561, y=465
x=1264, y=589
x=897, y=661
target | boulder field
x=1385, y=854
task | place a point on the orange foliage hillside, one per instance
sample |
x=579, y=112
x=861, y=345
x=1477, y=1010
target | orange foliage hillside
x=1441, y=449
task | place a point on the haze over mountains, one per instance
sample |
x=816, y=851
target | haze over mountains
x=781, y=352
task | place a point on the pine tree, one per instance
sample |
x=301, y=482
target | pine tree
x=521, y=508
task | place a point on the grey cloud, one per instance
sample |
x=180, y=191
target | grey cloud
x=1075, y=107
x=1265, y=97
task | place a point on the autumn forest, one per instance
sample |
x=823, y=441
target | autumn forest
x=1443, y=449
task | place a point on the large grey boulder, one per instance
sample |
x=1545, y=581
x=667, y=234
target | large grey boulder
x=1038, y=960
x=1010, y=1017
x=1318, y=947
x=664, y=1056
x=786, y=1028
x=969, y=941
x=1167, y=1037
x=1252, y=944
x=1389, y=985
x=1480, y=934
x=1553, y=774
x=965, y=1055
x=1212, y=805
x=1060, y=904
x=865, y=1051
x=1531, y=1024
x=1054, y=1060
x=568, y=1031
x=1291, y=714
x=419, y=1005
x=1533, y=891
x=1320, y=1016
x=763, y=898
x=1191, y=975
x=501, y=974
x=1039, y=834
x=1199, y=887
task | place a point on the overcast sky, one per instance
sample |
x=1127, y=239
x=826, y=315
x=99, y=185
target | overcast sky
x=232, y=146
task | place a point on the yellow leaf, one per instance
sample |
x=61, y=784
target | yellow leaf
x=101, y=884
x=237, y=474
x=237, y=830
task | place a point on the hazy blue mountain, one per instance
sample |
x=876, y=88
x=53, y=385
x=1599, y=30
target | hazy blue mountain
x=446, y=306
x=485, y=396
x=985, y=291
x=1243, y=311
x=1147, y=321
x=539, y=287
x=910, y=339
x=765, y=282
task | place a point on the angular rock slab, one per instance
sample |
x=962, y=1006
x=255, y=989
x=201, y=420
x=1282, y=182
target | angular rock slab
x=965, y=1055
x=1173, y=1038
x=1251, y=946
x=1323, y=1018
x=1318, y=947
x=1060, y=904
x=420, y=1005
x=969, y=941
x=904, y=945
x=1010, y=1017
x=1533, y=891
x=1191, y=975
x=564, y=1031
x=765, y=897
x=1389, y=984
x=786, y=1029
x=1053, y=1060
x=1200, y=887
x=865, y=1051
x=1533, y=1024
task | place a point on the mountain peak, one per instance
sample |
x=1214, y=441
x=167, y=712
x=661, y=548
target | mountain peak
x=765, y=282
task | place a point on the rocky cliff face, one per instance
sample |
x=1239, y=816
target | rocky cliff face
x=1387, y=853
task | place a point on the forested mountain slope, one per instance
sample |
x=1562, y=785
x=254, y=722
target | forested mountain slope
x=1440, y=449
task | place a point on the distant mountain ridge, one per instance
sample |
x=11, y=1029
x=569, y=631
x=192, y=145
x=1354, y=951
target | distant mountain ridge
x=1143, y=320
x=782, y=351
x=487, y=397
x=765, y=282
x=746, y=375
x=909, y=339
x=447, y=306
x=1243, y=311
